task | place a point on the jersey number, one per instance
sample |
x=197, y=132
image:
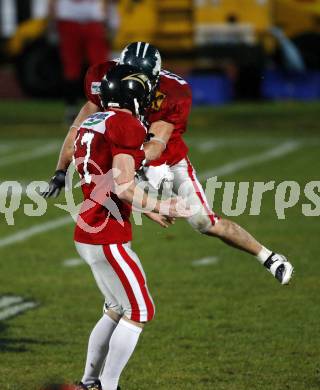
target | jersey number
x=87, y=140
x=174, y=77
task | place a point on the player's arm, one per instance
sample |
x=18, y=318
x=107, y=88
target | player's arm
x=57, y=182
x=155, y=147
x=66, y=152
x=125, y=188
x=178, y=111
x=124, y=171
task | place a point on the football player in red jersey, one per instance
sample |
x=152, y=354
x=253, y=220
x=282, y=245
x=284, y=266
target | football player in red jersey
x=108, y=150
x=166, y=151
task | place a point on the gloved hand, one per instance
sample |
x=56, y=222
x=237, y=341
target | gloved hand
x=157, y=175
x=56, y=184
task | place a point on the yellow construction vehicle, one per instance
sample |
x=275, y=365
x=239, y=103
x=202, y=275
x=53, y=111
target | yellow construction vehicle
x=300, y=20
x=36, y=59
x=183, y=29
x=181, y=25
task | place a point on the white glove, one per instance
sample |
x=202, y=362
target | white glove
x=158, y=175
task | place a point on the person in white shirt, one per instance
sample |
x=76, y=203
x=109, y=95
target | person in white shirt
x=81, y=27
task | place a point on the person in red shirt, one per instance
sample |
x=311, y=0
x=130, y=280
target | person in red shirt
x=107, y=152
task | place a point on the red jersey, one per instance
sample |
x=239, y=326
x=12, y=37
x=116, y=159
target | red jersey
x=104, y=218
x=172, y=104
x=93, y=79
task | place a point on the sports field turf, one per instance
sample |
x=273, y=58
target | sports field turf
x=226, y=325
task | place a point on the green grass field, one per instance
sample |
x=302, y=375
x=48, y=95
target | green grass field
x=223, y=326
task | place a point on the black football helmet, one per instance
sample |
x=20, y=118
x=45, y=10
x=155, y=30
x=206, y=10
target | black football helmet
x=144, y=56
x=125, y=86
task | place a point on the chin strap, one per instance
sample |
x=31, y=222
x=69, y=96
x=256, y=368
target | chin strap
x=136, y=106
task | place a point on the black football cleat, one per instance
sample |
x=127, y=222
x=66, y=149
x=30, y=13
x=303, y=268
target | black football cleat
x=93, y=386
x=279, y=267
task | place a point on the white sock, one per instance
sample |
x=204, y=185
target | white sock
x=122, y=344
x=263, y=255
x=98, y=348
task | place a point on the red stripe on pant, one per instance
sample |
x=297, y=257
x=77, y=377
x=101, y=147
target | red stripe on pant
x=198, y=192
x=135, y=316
x=140, y=278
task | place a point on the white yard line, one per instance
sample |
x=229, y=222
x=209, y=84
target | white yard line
x=40, y=151
x=9, y=300
x=271, y=154
x=28, y=142
x=6, y=148
x=12, y=148
x=205, y=261
x=208, y=145
x=73, y=262
x=24, y=234
x=212, y=143
x=234, y=166
x=12, y=311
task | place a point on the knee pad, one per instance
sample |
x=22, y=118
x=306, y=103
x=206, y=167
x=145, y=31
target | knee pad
x=200, y=222
x=112, y=306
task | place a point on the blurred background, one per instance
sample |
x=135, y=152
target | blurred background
x=254, y=68
x=228, y=49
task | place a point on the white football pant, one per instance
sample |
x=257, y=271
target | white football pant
x=181, y=179
x=120, y=278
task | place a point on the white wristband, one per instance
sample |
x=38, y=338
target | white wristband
x=161, y=141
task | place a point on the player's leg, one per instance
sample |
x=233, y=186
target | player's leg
x=98, y=347
x=99, y=339
x=234, y=235
x=207, y=222
x=70, y=49
x=185, y=184
x=138, y=309
x=71, y=52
